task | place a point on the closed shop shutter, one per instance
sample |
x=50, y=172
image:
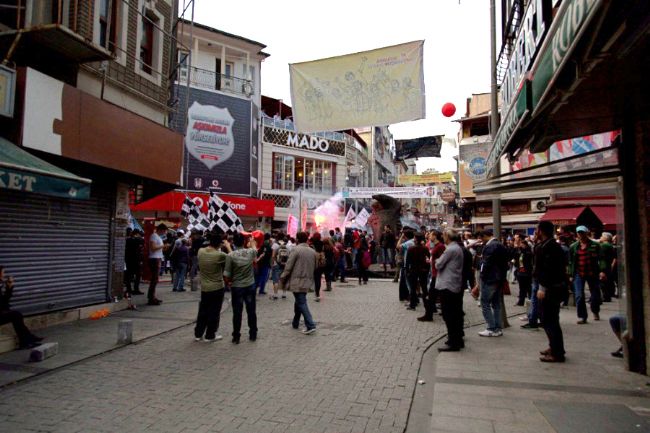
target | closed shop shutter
x=56, y=249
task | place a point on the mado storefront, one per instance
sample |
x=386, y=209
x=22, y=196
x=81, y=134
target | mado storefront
x=295, y=167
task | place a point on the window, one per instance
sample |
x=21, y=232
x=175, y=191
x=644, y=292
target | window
x=108, y=37
x=291, y=173
x=146, y=44
x=183, y=60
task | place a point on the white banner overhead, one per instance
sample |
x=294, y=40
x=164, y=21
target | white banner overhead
x=397, y=192
x=377, y=87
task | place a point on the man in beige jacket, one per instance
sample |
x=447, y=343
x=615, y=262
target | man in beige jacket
x=298, y=277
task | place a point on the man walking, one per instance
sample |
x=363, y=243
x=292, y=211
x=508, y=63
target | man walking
x=494, y=266
x=211, y=265
x=417, y=269
x=133, y=258
x=298, y=277
x=586, y=266
x=523, y=258
x=449, y=284
x=239, y=273
x=549, y=265
x=156, y=256
x=388, y=241
x=405, y=242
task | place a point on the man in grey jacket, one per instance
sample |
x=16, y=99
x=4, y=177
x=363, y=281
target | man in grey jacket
x=449, y=283
x=298, y=277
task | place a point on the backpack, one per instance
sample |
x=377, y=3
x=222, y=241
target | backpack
x=282, y=255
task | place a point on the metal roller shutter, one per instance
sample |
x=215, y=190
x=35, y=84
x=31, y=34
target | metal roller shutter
x=56, y=249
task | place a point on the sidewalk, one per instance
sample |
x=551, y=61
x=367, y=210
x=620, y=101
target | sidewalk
x=84, y=339
x=498, y=385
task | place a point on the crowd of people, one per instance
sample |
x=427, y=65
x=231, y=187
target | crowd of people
x=433, y=268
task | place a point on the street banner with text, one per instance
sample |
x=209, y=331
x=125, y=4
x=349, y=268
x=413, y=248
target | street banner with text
x=397, y=192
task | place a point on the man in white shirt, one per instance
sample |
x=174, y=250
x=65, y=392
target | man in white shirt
x=155, y=259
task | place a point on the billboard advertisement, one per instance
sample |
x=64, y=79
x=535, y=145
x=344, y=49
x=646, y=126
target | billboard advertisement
x=220, y=149
x=472, y=166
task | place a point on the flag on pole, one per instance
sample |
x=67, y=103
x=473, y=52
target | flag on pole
x=349, y=217
x=362, y=218
x=197, y=219
x=222, y=216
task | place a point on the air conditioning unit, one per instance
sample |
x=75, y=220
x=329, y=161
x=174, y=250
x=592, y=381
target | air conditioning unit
x=538, y=205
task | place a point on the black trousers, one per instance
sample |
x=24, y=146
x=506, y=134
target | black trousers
x=525, y=288
x=154, y=266
x=132, y=274
x=452, y=313
x=403, y=286
x=415, y=279
x=429, y=299
x=16, y=319
x=243, y=296
x=207, y=321
x=550, y=315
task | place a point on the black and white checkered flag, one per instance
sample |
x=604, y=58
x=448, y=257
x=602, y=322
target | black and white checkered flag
x=222, y=216
x=196, y=218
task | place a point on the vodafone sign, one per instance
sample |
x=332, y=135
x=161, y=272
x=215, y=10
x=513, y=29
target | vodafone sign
x=243, y=206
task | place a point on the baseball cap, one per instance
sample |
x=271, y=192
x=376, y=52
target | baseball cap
x=582, y=229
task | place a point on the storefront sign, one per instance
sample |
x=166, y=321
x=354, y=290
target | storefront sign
x=570, y=19
x=526, y=46
x=173, y=201
x=313, y=143
x=398, y=192
x=421, y=179
x=219, y=144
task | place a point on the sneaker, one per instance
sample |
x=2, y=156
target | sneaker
x=618, y=353
x=284, y=296
x=488, y=333
x=309, y=331
x=425, y=319
x=524, y=319
x=596, y=316
x=274, y=297
x=529, y=326
x=154, y=302
x=212, y=340
x=582, y=322
x=317, y=299
x=198, y=338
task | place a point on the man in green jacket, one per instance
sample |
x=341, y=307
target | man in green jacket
x=586, y=265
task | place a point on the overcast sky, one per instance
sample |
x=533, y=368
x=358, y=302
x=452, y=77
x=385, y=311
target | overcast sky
x=456, y=48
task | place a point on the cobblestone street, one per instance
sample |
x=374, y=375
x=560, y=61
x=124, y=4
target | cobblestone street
x=356, y=374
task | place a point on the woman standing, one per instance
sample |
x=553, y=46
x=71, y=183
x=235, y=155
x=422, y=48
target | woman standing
x=363, y=259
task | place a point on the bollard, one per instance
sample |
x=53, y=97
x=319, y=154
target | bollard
x=44, y=351
x=125, y=332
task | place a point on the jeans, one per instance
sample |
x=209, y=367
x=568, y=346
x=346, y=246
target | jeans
x=533, y=313
x=154, y=266
x=403, y=285
x=300, y=308
x=341, y=267
x=491, y=305
x=452, y=312
x=261, y=278
x=388, y=256
x=241, y=296
x=207, y=320
x=181, y=270
x=579, y=291
x=550, y=314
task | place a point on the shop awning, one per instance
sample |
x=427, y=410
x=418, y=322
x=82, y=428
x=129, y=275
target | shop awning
x=606, y=214
x=22, y=171
x=173, y=201
x=532, y=218
x=563, y=215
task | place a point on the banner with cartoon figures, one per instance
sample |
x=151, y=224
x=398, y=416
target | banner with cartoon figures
x=378, y=87
x=471, y=159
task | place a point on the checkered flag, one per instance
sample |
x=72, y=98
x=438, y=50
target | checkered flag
x=222, y=216
x=196, y=218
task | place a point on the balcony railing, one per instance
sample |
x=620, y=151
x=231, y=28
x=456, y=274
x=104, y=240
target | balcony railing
x=210, y=80
x=62, y=27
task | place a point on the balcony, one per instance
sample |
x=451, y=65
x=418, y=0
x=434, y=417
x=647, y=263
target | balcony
x=49, y=29
x=210, y=80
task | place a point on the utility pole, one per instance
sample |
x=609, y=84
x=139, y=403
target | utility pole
x=494, y=114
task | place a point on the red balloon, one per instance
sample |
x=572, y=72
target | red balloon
x=448, y=109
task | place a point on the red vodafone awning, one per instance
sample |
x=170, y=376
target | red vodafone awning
x=606, y=214
x=173, y=201
x=563, y=215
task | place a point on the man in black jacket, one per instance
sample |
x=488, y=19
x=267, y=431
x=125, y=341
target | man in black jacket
x=494, y=266
x=26, y=339
x=550, y=262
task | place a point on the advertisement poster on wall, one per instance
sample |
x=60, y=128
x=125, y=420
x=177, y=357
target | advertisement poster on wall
x=218, y=143
x=472, y=160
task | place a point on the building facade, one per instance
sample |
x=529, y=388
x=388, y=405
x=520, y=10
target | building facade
x=91, y=101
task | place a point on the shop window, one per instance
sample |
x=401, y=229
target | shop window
x=291, y=173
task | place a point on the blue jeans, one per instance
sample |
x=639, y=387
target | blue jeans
x=262, y=277
x=533, y=313
x=388, y=256
x=341, y=265
x=579, y=292
x=300, y=308
x=491, y=305
x=181, y=270
x=241, y=296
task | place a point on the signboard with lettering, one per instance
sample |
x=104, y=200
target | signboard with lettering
x=313, y=143
x=423, y=179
